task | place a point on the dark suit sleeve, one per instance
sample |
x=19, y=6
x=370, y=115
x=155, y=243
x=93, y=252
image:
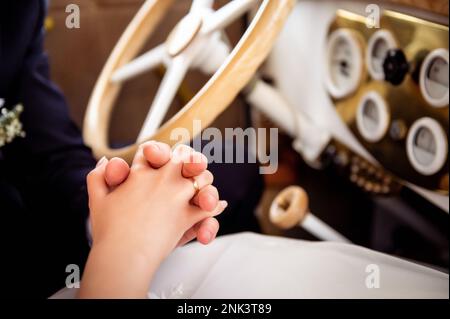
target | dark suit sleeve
x=52, y=158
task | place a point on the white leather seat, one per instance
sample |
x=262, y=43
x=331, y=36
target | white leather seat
x=248, y=265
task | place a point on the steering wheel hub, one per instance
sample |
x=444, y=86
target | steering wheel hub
x=183, y=34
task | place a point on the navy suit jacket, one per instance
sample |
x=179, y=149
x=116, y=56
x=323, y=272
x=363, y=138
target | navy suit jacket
x=42, y=176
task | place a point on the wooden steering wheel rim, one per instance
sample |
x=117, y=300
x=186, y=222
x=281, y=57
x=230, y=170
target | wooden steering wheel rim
x=209, y=102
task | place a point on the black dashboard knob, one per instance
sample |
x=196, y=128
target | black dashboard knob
x=395, y=66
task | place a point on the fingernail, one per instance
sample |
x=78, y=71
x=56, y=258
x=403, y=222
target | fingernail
x=154, y=149
x=224, y=203
x=154, y=146
x=101, y=161
x=208, y=236
x=204, y=158
x=195, y=158
x=158, y=147
x=198, y=158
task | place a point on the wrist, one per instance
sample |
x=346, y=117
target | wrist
x=116, y=271
x=128, y=248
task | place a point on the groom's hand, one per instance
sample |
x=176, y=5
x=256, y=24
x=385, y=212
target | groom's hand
x=194, y=166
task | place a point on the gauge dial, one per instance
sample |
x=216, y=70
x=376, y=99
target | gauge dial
x=434, y=78
x=427, y=146
x=344, y=63
x=424, y=146
x=372, y=117
x=379, y=44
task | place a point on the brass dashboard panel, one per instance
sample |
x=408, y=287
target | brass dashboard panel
x=405, y=102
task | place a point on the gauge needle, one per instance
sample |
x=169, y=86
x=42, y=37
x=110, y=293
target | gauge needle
x=344, y=66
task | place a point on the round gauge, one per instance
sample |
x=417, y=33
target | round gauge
x=379, y=44
x=427, y=146
x=372, y=117
x=434, y=78
x=344, y=65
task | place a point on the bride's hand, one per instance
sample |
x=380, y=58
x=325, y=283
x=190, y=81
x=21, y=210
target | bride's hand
x=136, y=225
x=151, y=203
x=194, y=165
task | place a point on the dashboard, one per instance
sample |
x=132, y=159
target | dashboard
x=390, y=86
x=380, y=92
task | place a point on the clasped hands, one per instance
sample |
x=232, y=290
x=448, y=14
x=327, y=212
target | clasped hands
x=139, y=214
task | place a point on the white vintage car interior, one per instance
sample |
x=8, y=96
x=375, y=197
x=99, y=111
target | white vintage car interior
x=359, y=91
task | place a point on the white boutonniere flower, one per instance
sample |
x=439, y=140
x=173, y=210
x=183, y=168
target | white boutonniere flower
x=10, y=125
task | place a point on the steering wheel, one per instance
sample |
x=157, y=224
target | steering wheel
x=195, y=42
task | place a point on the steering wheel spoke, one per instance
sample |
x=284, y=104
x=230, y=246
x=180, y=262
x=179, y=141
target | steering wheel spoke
x=227, y=15
x=145, y=62
x=172, y=80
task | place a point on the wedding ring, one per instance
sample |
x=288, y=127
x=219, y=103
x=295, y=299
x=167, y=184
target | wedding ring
x=196, y=186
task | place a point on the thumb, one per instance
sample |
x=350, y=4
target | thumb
x=96, y=184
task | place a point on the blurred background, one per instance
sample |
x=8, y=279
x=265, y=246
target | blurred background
x=78, y=55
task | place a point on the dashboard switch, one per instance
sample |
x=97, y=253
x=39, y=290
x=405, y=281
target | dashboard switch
x=395, y=66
